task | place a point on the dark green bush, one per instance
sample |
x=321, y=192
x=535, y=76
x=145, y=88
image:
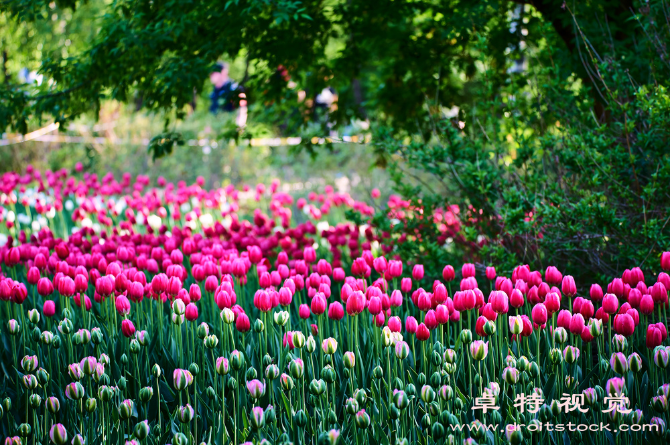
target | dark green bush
x=546, y=170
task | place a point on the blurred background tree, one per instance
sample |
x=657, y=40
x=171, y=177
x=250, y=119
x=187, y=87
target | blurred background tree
x=544, y=121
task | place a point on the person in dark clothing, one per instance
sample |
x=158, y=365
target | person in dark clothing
x=225, y=89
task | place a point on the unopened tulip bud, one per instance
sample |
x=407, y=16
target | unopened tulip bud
x=514, y=434
x=329, y=346
x=29, y=363
x=377, y=373
x=256, y=388
x=126, y=409
x=595, y=327
x=427, y=394
x=24, y=430
x=179, y=439
x=614, y=387
x=13, y=327
x=281, y=318
x=222, y=366
x=270, y=418
x=272, y=372
x=401, y=350
x=181, y=379
x=659, y=404
x=490, y=328
x=42, y=376
x=571, y=354
x=58, y=434
x=53, y=405
x=105, y=393
x=523, y=364
x=387, y=337
x=35, y=401
x=310, y=344
x=297, y=368
x=194, y=369
x=362, y=419
x=300, y=418
x=91, y=405
x=185, y=413
x=317, y=387
x=361, y=396
x=479, y=350
x=619, y=363
x=351, y=406
x=33, y=316
x=146, y=394
x=286, y=382
x=510, y=375
x=515, y=325
x=619, y=343
x=177, y=319
x=560, y=336
x=661, y=357
x=141, y=430
x=349, y=360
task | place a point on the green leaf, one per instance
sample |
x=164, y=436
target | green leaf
x=548, y=389
x=644, y=389
x=380, y=434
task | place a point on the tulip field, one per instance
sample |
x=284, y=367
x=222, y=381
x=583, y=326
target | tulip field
x=156, y=313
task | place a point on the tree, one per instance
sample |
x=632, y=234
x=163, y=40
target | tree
x=389, y=60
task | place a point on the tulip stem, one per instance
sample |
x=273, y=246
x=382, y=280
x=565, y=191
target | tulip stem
x=14, y=357
x=423, y=357
x=223, y=412
x=158, y=390
x=355, y=333
x=82, y=303
x=609, y=324
x=481, y=378
x=537, y=356
x=388, y=370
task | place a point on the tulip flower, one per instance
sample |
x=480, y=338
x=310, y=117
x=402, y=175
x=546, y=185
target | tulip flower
x=422, y=332
x=329, y=346
x=661, y=357
x=417, y=272
x=619, y=363
x=58, y=434
x=553, y=276
x=479, y=350
x=127, y=328
x=515, y=325
x=448, y=273
x=539, y=314
x=615, y=386
x=256, y=388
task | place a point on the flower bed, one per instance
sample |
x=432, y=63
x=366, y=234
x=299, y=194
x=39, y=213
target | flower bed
x=166, y=317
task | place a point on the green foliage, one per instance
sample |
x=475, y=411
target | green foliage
x=539, y=176
x=164, y=143
x=390, y=61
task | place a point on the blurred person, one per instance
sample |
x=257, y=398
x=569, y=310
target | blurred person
x=327, y=99
x=225, y=89
x=241, y=119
